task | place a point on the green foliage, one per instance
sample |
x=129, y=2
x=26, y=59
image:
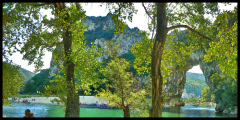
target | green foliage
x=40, y=79
x=192, y=99
x=12, y=82
x=85, y=62
x=225, y=89
x=225, y=49
x=34, y=33
x=123, y=82
x=206, y=94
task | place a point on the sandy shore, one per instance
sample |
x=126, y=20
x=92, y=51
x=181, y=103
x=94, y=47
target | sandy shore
x=82, y=99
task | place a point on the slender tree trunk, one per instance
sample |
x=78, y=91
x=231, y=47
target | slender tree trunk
x=157, y=79
x=72, y=106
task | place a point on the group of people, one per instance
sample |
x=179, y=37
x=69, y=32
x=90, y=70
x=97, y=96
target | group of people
x=28, y=114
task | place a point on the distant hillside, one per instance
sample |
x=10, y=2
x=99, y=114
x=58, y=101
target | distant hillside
x=195, y=82
x=26, y=74
x=195, y=76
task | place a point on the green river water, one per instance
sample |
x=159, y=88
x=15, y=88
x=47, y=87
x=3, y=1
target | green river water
x=48, y=110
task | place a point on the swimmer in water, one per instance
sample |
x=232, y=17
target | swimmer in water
x=27, y=111
x=31, y=115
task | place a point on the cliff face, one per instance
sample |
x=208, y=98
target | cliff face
x=97, y=24
x=177, y=79
x=185, y=94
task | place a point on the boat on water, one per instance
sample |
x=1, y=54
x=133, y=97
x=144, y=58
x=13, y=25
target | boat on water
x=196, y=105
x=104, y=107
x=26, y=101
x=90, y=106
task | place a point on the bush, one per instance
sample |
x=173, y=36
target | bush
x=206, y=94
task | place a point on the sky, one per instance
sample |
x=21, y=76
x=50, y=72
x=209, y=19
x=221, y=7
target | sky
x=139, y=20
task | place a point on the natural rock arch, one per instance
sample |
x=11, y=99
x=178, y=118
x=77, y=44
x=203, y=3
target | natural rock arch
x=177, y=78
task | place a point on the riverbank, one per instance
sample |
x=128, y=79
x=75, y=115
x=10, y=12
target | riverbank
x=82, y=99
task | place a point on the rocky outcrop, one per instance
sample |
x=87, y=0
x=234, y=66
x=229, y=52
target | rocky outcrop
x=177, y=78
x=180, y=103
x=232, y=110
x=185, y=94
x=219, y=107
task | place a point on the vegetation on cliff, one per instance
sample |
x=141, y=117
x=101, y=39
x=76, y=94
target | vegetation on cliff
x=194, y=85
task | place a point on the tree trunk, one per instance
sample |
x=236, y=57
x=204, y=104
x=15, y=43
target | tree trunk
x=126, y=112
x=150, y=112
x=72, y=106
x=157, y=79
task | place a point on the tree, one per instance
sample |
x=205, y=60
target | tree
x=67, y=30
x=12, y=81
x=123, y=82
x=165, y=14
x=225, y=89
x=206, y=94
x=225, y=48
x=121, y=87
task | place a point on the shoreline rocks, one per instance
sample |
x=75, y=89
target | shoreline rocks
x=231, y=111
x=180, y=103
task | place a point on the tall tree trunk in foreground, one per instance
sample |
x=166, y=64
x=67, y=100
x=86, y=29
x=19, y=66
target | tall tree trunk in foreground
x=157, y=79
x=126, y=112
x=72, y=106
x=150, y=112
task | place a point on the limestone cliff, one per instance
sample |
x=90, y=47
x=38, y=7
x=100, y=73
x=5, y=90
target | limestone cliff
x=185, y=94
x=95, y=24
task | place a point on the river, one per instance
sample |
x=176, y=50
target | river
x=48, y=110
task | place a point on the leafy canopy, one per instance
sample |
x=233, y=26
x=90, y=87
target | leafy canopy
x=12, y=82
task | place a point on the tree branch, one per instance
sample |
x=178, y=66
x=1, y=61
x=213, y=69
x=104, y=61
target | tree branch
x=146, y=10
x=232, y=21
x=53, y=44
x=47, y=3
x=77, y=6
x=186, y=26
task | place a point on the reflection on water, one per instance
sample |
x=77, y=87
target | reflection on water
x=190, y=111
x=201, y=111
x=48, y=110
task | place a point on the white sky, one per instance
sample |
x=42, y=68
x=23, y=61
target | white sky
x=139, y=20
